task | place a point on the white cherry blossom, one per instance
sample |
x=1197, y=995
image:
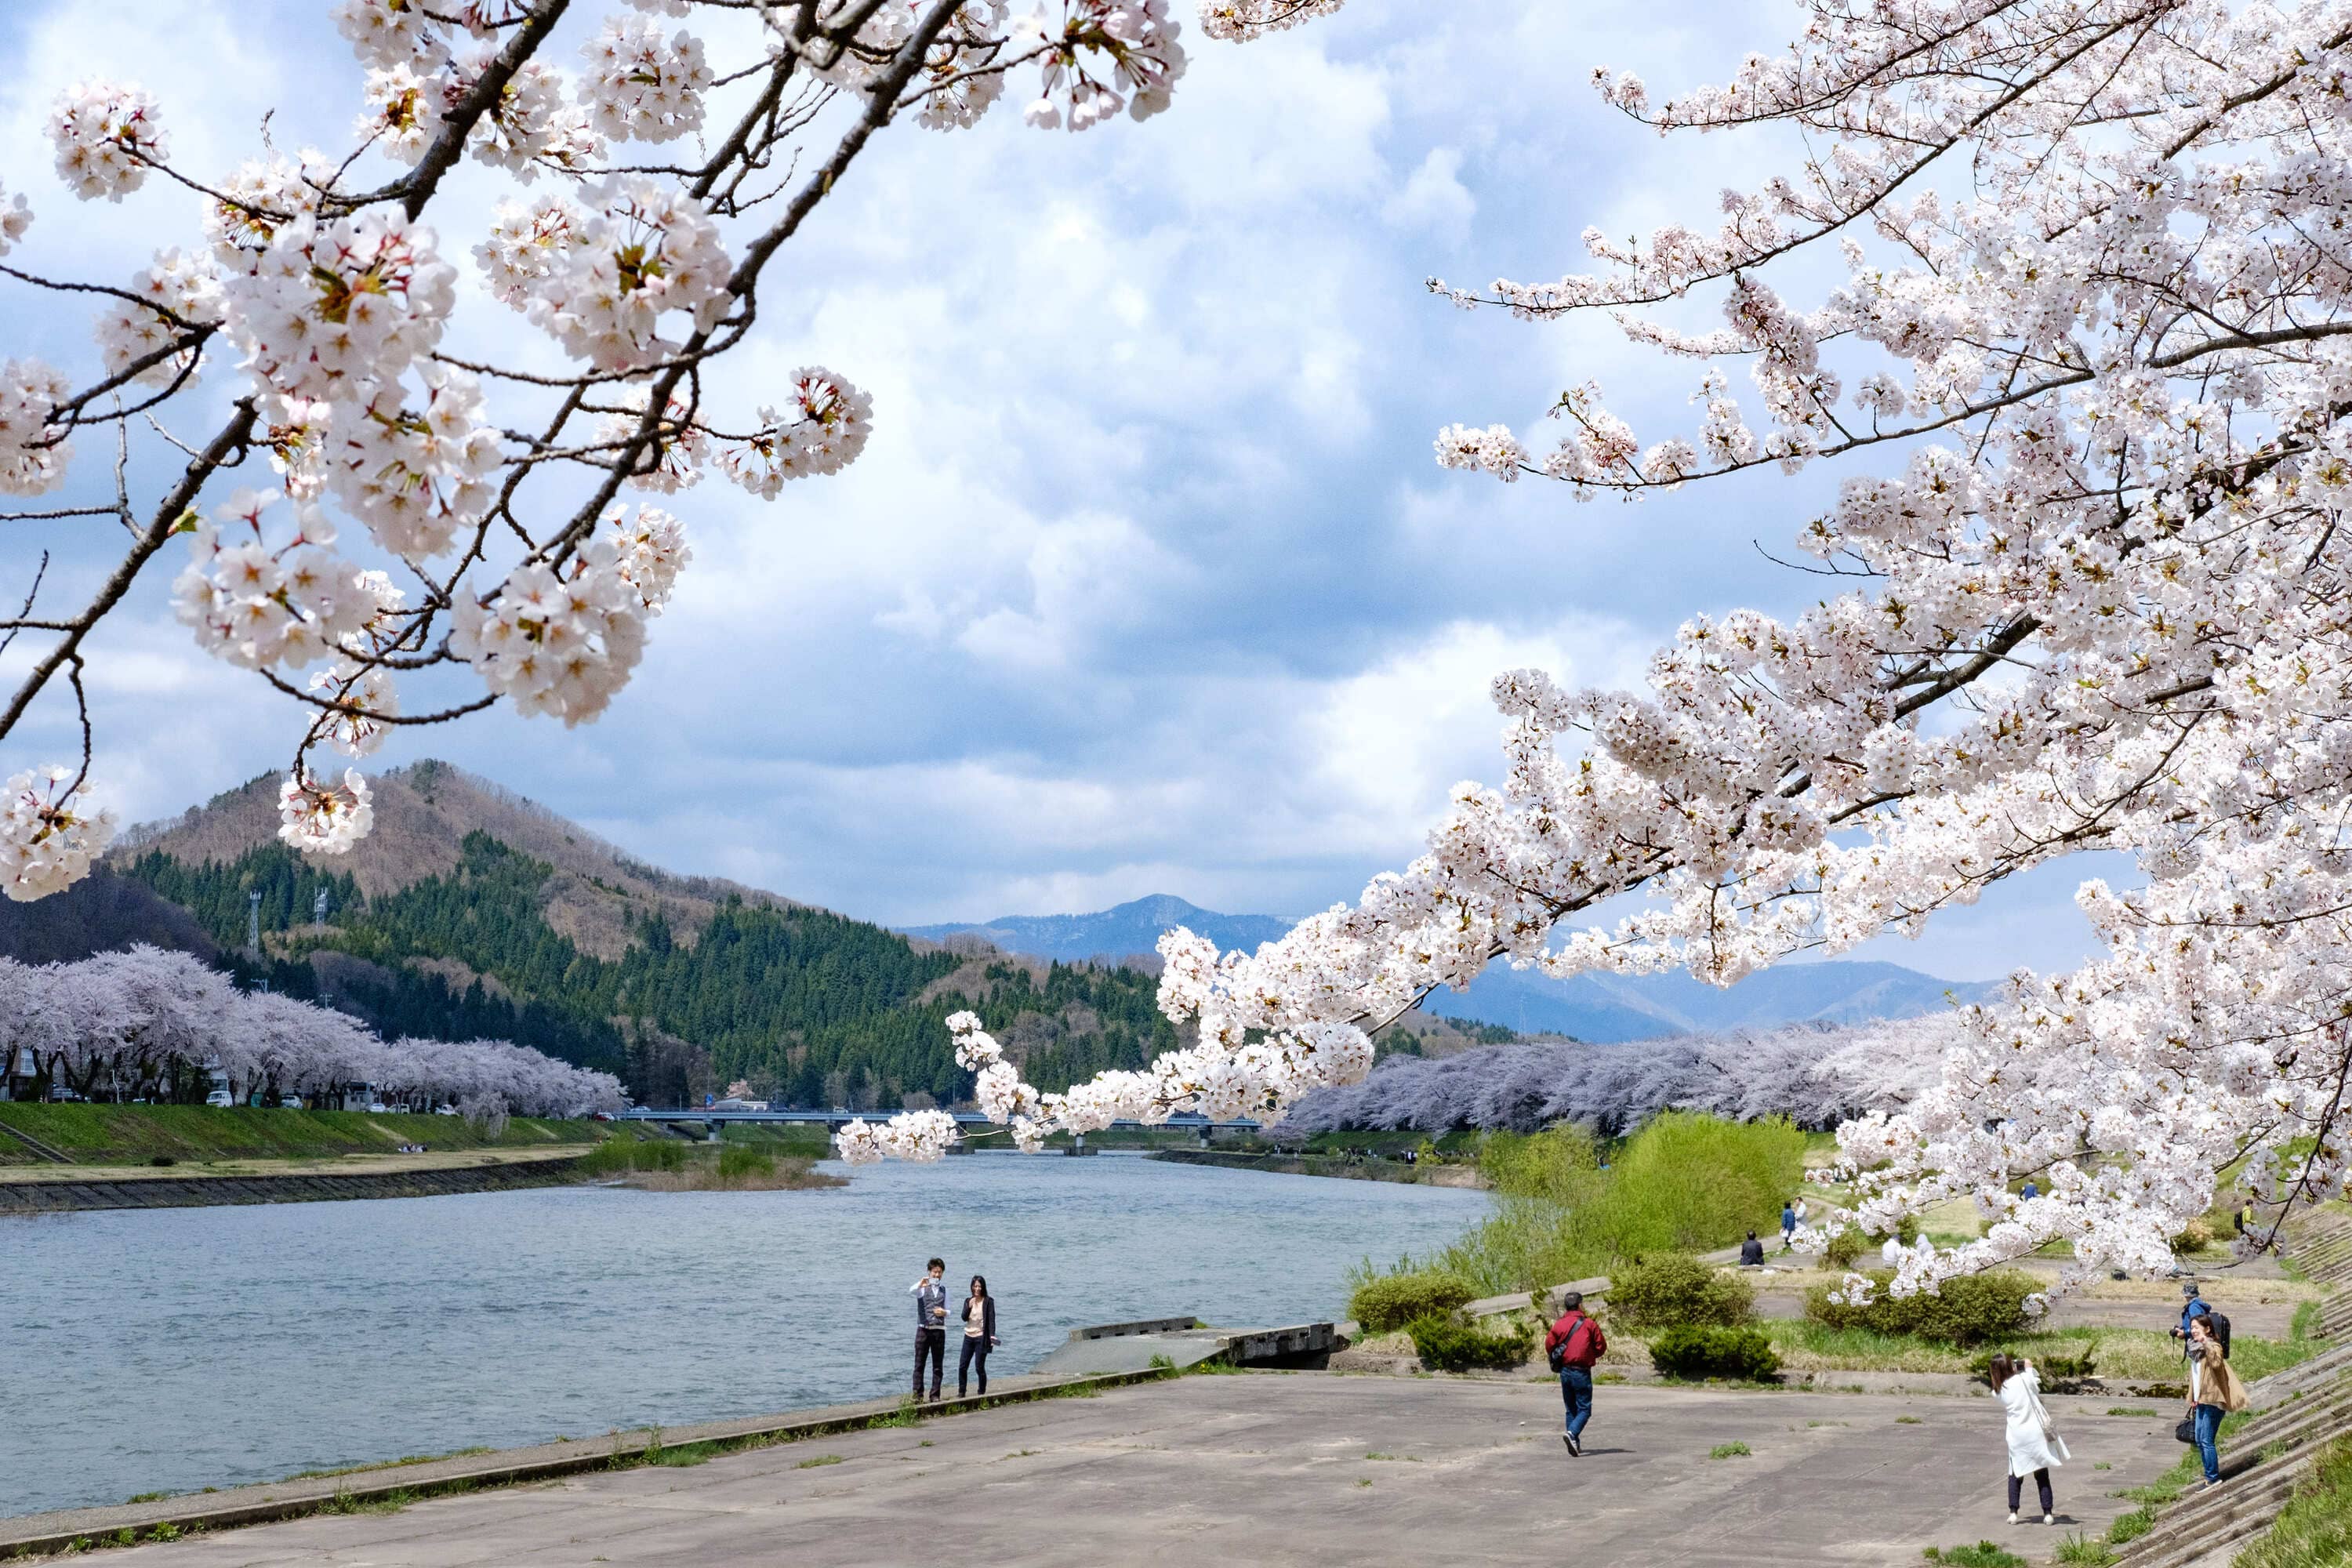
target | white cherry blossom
x=107, y=135
x=51, y=830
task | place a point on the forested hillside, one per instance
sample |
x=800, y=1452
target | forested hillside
x=809, y=1007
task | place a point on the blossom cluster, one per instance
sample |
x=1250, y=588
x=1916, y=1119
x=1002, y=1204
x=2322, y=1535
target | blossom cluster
x=50, y=832
x=259, y=603
x=106, y=136
x=321, y=817
x=560, y=640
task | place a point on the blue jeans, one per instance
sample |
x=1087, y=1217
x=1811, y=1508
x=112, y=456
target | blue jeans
x=2209, y=1425
x=1576, y=1393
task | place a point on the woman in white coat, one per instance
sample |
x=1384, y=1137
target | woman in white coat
x=2034, y=1448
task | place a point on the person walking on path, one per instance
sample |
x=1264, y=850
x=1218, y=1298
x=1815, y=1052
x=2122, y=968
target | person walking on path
x=1787, y=1227
x=2214, y=1391
x=930, y=1295
x=1751, y=1252
x=2034, y=1446
x=1572, y=1346
x=978, y=1334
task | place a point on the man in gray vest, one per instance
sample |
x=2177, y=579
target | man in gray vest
x=931, y=1293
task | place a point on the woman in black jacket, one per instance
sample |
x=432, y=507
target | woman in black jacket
x=978, y=1334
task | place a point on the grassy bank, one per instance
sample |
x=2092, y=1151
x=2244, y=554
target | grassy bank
x=193, y=1134
x=1683, y=1182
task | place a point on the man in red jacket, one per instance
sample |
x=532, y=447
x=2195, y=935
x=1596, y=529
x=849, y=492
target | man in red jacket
x=1574, y=1343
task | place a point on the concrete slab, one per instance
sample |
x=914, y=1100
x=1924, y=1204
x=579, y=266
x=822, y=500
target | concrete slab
x=1282, y=1469
x=1130, y=1352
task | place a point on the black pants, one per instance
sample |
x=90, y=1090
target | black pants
x=974, y=1356
x=931, y=1343
x=2017, y=1487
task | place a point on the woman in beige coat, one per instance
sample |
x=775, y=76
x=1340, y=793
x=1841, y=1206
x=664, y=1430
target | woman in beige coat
x=2214, y=1390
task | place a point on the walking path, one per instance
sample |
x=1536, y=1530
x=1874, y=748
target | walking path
x=1279, y=1469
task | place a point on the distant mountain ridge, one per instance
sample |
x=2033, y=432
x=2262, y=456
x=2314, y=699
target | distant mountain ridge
x=1601, y=1008
x=1127, y=931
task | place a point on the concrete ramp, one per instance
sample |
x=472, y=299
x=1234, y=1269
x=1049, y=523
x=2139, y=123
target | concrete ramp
x=1184, y=1343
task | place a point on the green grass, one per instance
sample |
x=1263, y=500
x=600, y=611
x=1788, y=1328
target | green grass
x=819, y=1460
x=2128, y=1356
x=1909, y=1421
x=1983, y=1554
x=1731, y=1451
x=140, y=1134
x=2078, y=1547
x=2315, y=1529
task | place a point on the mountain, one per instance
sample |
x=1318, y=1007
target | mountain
x=1127, y=931
x=472, y=912
x=1601, y=1008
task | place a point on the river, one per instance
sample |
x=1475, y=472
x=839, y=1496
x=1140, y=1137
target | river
x=169, y=1349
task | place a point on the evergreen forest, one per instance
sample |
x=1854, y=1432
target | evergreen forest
x=810, y=1008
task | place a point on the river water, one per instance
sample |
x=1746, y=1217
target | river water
x=169, y=1349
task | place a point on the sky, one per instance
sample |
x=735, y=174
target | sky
x=1148, y=581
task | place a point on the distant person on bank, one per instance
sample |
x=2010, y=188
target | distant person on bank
x=1787, y=1227
x=931, y=1293
x=2034, y=1446
x=1751, y=1252
x=1573, y=1344
x=2214, y=1390
x=978, y=1334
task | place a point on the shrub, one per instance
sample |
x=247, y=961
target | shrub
x=1670, y=1289
x=1968, y=1310
x=1696, y=1351
x=2195, y=1237
x=1447, y=1344
x=1393, y=1300
x=1845, y=1248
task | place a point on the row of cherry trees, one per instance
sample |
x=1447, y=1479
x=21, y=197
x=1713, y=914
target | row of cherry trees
x=156, y=1025
x=1816, y=1075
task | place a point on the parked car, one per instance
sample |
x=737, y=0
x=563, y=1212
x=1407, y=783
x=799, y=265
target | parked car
x=289, y=1103
x=603, y=1116
x=220, y=1100
x=445, y=1111
x=59, y=1093
x=377, y=1108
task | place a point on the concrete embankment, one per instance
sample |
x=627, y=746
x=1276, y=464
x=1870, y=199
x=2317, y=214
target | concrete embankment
x=61, y=1194
x=1329, y=1165
x=1178, y=1344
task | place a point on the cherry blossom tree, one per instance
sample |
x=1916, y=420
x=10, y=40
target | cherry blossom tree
x=2083, y=378
x=387, y=493
x=151, y=1024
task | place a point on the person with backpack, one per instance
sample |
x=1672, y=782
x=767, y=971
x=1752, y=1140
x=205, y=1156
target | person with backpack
x=2193, y=1307
x=1572, y=1345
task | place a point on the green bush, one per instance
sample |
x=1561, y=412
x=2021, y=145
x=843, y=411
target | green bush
x=1447, y=1344
x=2052, y=1368
x=1670, y=1289
x=1845, y=1248
x=1392, y=1300
x=1968, y=1310
x=1696, y=1351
